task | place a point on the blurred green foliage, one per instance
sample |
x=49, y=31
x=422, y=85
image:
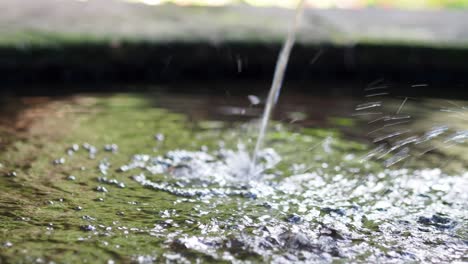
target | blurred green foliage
x=402, y=4
x=418, y=3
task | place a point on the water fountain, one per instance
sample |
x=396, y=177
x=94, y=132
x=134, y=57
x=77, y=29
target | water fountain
x=108, y=191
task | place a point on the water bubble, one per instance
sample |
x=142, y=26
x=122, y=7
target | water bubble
x=88, y=228
x=88, y=218
x=101, y=189
x=92, y=150
x=124, y=168
x=159, y=137
x=7, y=244
x=111, y=181
x=104, y=166
x=111, y=148
x=146, y=259
x=74, y=148
x=59, y=161
x=71, y=178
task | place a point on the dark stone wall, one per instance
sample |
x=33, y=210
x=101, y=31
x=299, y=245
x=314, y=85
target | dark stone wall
x=165, y=63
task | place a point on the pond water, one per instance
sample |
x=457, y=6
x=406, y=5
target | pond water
x=160, y=178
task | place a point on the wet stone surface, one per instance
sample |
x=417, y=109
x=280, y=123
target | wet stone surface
x=186, y=198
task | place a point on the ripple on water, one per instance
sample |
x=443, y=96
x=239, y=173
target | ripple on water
x=396, y=215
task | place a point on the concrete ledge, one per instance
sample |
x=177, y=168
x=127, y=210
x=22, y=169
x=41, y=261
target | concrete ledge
x=48, y=22
x=112, y=41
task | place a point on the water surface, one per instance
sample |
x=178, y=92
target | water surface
x=160, y=177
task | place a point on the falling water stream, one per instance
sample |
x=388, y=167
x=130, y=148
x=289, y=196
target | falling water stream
x=275, y=89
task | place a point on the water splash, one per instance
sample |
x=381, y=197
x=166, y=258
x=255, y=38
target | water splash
x=276, y=86
x=400, y=135
x=314, y=216
x=192, y=172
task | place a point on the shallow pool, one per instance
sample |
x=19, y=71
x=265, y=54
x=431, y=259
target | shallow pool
x=161, y=178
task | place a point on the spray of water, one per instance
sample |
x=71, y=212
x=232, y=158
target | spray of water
x=278, y=76
x=395, y=131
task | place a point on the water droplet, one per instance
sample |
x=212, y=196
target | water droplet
x=88, y=228
x=71, y=178
x=7, y=244
x=59, y=161
x=111, y=148
x=254, y=100
x=159, y=137
x=101, y=189
x=88, y=218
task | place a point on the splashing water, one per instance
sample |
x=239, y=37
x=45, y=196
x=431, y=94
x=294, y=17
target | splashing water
x=401, y=136
x=323, y=216
x=189, y=205
x=276, y=86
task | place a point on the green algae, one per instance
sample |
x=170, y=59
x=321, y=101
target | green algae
x=345, y=209
x=39, y=206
